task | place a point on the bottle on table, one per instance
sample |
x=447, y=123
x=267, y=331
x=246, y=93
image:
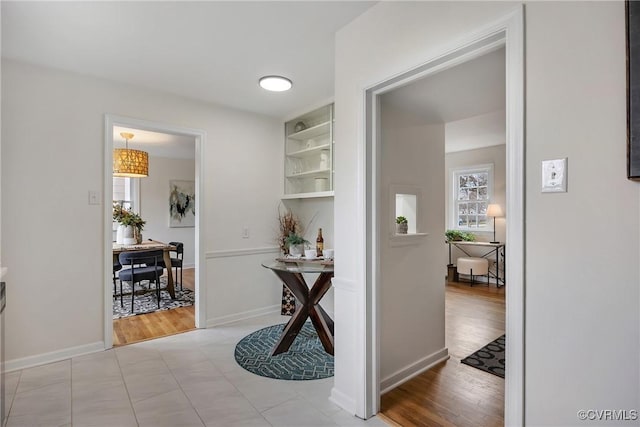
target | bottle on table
x=319, y=243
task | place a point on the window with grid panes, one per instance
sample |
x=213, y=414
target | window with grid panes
x=122, y=192
x=472, y=189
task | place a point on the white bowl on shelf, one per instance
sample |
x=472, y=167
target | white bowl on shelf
x=310, y=253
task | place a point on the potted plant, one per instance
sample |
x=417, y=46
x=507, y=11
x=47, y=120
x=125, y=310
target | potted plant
x=137, y=223
x=288, y=225
x=295, y=244
x=130, y=225
x=401, y=225
x=459, y=236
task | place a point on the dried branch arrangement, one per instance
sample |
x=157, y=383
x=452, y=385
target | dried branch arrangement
x=288, y=224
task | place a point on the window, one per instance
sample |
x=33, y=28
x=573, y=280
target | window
x=125, y=192
x=472, y=190
x=122, y=191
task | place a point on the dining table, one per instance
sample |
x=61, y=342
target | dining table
x=291, y=271
x=151, y=245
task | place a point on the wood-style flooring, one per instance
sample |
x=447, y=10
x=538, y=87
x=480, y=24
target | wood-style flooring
x=453, y=394
x=158, y=324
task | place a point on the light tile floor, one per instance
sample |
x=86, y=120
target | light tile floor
x=191, y=379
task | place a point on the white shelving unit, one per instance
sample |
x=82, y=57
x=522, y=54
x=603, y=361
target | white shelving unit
x=308, y=162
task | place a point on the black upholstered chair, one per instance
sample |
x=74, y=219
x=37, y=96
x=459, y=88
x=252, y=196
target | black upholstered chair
x=116, y=267
x=176, y=262
x=142, y=266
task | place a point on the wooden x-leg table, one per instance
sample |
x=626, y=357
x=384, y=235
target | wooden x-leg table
x=309, y=301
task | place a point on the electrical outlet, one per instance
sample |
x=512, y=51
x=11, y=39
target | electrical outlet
x=245, y=232
x=94, y=197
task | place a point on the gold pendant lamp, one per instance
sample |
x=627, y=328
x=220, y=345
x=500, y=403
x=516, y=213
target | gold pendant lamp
x=130, y=163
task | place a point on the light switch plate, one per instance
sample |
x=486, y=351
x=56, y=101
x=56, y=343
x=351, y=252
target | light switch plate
x=554, y=176
x=94, y=197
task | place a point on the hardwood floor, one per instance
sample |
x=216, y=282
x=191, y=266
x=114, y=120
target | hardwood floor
x=159, y=324
x=453, y=394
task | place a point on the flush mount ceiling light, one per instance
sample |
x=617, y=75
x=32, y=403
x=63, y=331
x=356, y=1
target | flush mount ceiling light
x=275, y=83
x=130, y=163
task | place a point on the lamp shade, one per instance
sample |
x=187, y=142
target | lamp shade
x=130, y=163
x=494, y=210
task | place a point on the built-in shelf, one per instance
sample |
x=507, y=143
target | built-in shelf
x=318, y=173
x=408, y=239
x=309, y=152
x=308, y=195
x=312, y=132
x=308, y=155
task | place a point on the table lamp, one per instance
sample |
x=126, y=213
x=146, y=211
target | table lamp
x=494, y=210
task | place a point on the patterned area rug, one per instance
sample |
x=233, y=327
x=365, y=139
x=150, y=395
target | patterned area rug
x=145, y=299
x=305, y=360
x=489, y=358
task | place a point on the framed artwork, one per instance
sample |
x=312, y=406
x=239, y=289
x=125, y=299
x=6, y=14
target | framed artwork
x=632, y=9
x=182, y=203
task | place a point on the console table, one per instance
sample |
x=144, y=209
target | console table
x=290, y=272
x=491, y=249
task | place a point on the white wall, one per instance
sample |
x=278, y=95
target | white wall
x=475, y=132
x=52, y=239
x=412, y=279
x=399, y=36
x=154, y=203
x=582, y=250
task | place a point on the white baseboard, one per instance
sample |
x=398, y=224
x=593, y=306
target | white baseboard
x=405, y=374
x=343, y=401
x=54, y=356
x=236, y=317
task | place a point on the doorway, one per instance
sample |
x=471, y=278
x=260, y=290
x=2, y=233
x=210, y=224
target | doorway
x=509, y=34
x=176, y=155
x=445, y=135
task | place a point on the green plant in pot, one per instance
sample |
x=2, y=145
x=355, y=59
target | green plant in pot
x=131, y=225
x=459, y=236
x=295, y=244
x=402, y=225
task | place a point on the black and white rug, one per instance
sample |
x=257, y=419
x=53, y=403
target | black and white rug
x=489, y=358
x=305, y=360
x=145, y=300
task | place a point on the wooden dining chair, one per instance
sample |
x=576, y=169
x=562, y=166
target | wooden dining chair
x=143, y=265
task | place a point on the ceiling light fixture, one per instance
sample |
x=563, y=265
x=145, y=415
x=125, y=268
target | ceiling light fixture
x=275, y=83
x=130, y=163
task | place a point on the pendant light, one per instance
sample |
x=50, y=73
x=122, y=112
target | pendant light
x=130, y=163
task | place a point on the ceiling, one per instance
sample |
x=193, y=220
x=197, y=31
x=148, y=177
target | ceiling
x=216, y=51
x=469, y=98
x=157, y=144
x=210, y=51
x=470, y=89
